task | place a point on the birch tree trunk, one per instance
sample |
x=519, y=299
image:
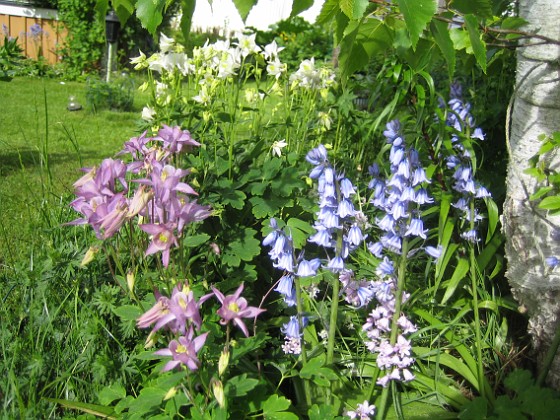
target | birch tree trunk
x=528, y=231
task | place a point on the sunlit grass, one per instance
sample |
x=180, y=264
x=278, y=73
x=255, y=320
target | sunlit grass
x=42, y=148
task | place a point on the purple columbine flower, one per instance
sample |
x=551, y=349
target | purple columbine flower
x=234, y=308
x=175, y=140
x=184, y=351
x=163, y=238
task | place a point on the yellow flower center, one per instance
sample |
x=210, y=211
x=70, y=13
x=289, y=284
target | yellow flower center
x=181, y=349
x=163, y=238
x=233, y=307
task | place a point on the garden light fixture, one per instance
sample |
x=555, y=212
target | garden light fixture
x=112, y=26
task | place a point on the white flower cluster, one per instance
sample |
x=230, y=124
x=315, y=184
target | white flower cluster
x=292, y=345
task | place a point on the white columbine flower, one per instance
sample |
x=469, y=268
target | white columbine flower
x=148, y=114
x=139, y=62
x=165, y=43
x=276, y=68
x=277, y=147
x=271, y=50
x=247, y=44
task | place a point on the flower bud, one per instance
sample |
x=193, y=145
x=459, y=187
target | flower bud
x=90, y=255
x=170, y=394
x=218, y=390
x=130, y=279
x=223, y=362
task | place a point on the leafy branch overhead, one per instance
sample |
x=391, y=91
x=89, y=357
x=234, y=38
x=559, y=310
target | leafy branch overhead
x=368, y=28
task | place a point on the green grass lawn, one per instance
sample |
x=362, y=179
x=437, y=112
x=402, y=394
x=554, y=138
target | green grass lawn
x=39, y=136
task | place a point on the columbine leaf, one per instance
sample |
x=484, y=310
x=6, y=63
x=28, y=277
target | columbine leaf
x=478, y=45
x=263, y=207
x=323, y=412
x=128, y=313
x=239, y=386
x=274, y=408
x=245, y=248
x=244, y=7
x=112, y=393
x=417, y=14
x=196, y=240
x=150, y=14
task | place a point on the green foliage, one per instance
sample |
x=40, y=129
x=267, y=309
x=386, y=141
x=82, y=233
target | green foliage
x=117, y=95
x=300, y=40
x=548, y=178
x=524, y=399
x=11, y=56
x=84, y=45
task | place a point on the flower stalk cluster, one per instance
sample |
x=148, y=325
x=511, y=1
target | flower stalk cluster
x=460, y=162
x=148, y=188
x=399, y=197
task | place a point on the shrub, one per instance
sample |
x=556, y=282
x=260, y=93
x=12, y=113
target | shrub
x=115, y=95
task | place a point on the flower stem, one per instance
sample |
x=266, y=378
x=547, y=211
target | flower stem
x=478, y=336
x=299, y=303
x=394, y=321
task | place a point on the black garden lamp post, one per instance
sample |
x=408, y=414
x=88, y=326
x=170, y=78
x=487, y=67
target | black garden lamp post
x=112, y=27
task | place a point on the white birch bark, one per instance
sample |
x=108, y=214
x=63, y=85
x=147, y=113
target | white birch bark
x=536, y=111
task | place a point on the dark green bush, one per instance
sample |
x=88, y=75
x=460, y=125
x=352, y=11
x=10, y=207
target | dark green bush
x=117, y=95
x=300, y=39
x=83, y=49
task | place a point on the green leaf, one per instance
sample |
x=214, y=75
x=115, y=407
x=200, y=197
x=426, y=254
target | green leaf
x=124, y=9
x=493, y=217
x=245, y=248
x=480, y=8
x=322, y=412
x=299, y=6
x=417, y=14
x=149, y=398
x=192, y=241
x=286, y=183
x=353, y=9
x=361, y=42
x=460, y=39
x=311, y=368
x=271, y=168
x=244, y=7
x=150, y=14
x=300, y=231
x=475, y=409
x=274, y=408
x=187, y=7
x=513, y=22
x=239, y=386
x=328, y=12
x=550, y=203
x=95, y=409
x=478, y=45
x=263, y=207
x=541, y=192
x=440, y=32
x=128, y=312
x=459, y=274
x=112, y=393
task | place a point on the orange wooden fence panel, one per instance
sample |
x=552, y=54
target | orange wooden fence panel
x=17, y=22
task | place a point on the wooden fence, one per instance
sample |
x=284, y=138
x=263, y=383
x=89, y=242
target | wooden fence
x=38, y=30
